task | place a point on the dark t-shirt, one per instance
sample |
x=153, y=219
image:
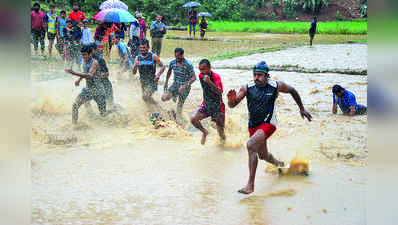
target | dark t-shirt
x=312, y=29
x=193, y=16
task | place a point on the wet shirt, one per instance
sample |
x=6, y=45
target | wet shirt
x=312, y=29
x=61, y=24
x=346, y=102
x=102, y=66
x=261, y=102
x=182, y=74
x=134, y=30
x=93, y=85
x=147, y=67
x=51, y=21
x=155, y=29
x=122, y=49
x=76, y=16
x=211, y=100
x=37, y=20
x=86, y=38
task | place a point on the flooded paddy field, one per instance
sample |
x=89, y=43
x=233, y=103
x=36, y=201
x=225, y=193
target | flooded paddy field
x=121, y=170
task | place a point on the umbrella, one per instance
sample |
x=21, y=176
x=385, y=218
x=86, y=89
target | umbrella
x=113, y=4
x=192, y=4
x=204, y=14
x=114, y=15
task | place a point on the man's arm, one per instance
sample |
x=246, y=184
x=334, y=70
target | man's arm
x=284, y=88
x=88, y=75
x=233, y=99
x=334, y=108
x=167, y=78
x=213, y=86
x=162, y=67
x=136, y=64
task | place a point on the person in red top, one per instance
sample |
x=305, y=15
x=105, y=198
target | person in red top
x=212, y=105
x=76, y=15
x=38, y=28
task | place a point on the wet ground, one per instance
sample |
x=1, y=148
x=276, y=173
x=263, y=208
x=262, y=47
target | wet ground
x=121, y=170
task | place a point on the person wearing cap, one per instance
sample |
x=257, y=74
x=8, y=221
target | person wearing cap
x=86, y=38
x=212, y=105
x=51, y=22
x=312, y=29
x=158, y=30
x=76, y=14
x=346, y=101
x=261, y=95
x=38, y=28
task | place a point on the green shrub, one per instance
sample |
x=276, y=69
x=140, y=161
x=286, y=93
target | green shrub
x=313, y=6
x=289, y=8
x=339, y=17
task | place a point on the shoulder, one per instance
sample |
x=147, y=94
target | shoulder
x=251, y=84
x=216, y=76
x=272, y=83
x=188, y=63
x=172, y=62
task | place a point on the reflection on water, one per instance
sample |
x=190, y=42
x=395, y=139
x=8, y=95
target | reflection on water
x=121, y=170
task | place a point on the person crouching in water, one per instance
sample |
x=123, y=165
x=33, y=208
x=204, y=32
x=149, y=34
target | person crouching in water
x=94, y=88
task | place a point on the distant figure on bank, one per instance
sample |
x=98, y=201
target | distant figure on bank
x=158, y=30
x=203, y=26
x=184, y=76
x=346, y=101
x=193, y=20
x=261, y=95
x=51, y=24
x=38, y=28
x=312, y=29
x=212, y=105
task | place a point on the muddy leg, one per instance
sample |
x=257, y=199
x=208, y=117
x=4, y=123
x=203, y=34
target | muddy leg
x=195, y=120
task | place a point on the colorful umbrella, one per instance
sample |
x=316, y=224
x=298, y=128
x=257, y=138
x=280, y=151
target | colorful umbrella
x=114, y=15
x=204, y=14
x=191, y=4
x=113, y=4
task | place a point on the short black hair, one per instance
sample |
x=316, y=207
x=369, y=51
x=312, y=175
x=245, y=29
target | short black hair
x=75, y=4
x=179, y=50
x=52, y=7
x=69, y=21
x=205, y=61
x=315, y=17
x=144, y=42
x=36, y=4
x=62, y=12
x=86, y=49
x=93, y=45
x=337, y=88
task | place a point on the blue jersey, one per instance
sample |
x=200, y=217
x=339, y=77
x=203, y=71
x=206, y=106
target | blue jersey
x=345, y=102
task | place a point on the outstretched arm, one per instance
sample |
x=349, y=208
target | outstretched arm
x=88, y=75
x=284, y=88
x=162, y=67
x=233, y=99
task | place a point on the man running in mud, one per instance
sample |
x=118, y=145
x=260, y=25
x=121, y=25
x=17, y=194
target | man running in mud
x=261, y=101
x=184, y=76
x=94, y=88
x=126, y=63
x=212, y=105
x=146, y=64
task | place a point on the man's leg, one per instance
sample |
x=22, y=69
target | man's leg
x=195, y=120
x=194, y=29
x=75, y=109
x=254, y=144
x=35, y=41
x=50, y=47
x=264, y=154
x=160, y=46
x=41, y=39
x=311, y=38
x=101, y=103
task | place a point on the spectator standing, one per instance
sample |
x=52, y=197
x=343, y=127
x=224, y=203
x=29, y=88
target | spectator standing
x=61, y=24
x=193, y=19
x=76, y=14
x=51, y=22
x=158, y=30
x=38, y=28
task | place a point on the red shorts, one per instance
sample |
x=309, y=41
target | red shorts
x=268, y=129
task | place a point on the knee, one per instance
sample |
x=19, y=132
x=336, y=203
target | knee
x=251, y=145
x=193, y=119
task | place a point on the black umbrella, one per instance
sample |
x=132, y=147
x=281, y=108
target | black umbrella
x=191, y=4
x=204, y=14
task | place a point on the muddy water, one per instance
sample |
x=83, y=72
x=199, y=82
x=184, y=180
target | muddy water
x=120, y=170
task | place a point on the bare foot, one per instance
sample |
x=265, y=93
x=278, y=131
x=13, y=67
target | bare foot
x=279, y=163
x=204, y=135
x=247, y=190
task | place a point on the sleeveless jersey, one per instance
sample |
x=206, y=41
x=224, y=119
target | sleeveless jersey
x=93, y=85
x=147, y=67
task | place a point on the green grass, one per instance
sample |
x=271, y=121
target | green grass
x=246, y=53
x=334, y=27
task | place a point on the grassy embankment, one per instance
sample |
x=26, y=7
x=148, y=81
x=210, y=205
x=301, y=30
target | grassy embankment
x=331, y=27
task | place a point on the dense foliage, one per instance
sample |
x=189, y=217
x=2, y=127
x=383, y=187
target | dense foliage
x=174, y=13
